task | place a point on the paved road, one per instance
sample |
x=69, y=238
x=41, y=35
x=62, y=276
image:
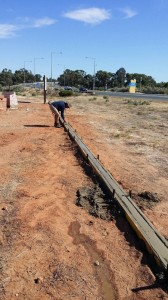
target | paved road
x=133, y=96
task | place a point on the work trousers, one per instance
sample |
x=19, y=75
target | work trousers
x=55, y=112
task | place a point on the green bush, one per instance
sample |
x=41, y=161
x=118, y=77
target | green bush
x=93, y=99
x=137, y=102
x=52, y=93
x=65, y=93
x=106, y=97
x=154, y=90
x=121, y=89
x=17, y=89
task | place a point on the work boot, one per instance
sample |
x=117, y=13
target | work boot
x=57, y=125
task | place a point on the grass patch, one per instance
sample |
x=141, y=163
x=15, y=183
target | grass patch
x=92, y=99
x=105, y=97
x=136, y=102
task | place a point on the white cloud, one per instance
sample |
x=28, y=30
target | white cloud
x=44, y=22
x=128, y=13
x=10, y=30
x=7, y=30
x=89, y=15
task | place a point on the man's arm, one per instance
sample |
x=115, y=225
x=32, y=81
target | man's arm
x=62, y=113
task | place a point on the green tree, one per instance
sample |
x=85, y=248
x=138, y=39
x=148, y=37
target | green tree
x=162, y=84
x=18, y=76
x=103, y=79
x=121, y=77
x=141, y=79
x=72, y=78
x=24, y=75
x=38, y=77
x=6, y=78
x=88, y=81
x=29, y=77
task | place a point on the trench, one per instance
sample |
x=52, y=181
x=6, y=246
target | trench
x=107, y=287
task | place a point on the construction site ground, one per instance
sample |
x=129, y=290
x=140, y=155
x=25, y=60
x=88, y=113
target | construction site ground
x=52, y=248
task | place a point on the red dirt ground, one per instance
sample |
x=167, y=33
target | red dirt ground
x=51, y=248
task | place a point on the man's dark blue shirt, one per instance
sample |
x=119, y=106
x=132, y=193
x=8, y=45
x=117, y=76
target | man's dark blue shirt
x=60, y=106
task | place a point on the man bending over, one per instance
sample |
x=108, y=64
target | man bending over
x=57, y=109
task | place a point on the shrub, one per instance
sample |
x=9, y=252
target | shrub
x=121, y=89
x=17, y=89
x=52, y=93
x=65, y=93
x=93, y=99
x=137, y=102
x=106, y=97
x=154, y=90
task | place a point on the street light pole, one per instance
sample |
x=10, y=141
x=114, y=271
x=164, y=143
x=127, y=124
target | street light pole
x=94, y=70
x=140, y=83
x=52, y=63
x=64, y=72
x=26, y=61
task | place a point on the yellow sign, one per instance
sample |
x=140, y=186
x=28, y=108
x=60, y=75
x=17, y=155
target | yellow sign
x=132, y=86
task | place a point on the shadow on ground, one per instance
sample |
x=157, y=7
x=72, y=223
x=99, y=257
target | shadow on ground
x=36, y=125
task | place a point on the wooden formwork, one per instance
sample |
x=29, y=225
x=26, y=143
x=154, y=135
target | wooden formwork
x=156, y=244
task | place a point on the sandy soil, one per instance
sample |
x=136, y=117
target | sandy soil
x=50, y=247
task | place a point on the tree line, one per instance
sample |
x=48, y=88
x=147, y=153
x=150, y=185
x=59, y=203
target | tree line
x=102, y=79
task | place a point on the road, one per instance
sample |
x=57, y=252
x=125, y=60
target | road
x=133, y=96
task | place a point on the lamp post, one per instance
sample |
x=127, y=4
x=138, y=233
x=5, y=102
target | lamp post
x=140, y=84
x=26, y=61
x=35, y=58
x=93, y=58
x=52, y=63
x=64, y=72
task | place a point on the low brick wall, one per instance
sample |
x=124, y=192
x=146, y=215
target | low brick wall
x=3, y=103
x=12, y=101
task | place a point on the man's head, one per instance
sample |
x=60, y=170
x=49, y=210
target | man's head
x=67, y=105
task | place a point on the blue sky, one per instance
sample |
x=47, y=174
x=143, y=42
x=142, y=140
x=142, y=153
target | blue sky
x=111, y=33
